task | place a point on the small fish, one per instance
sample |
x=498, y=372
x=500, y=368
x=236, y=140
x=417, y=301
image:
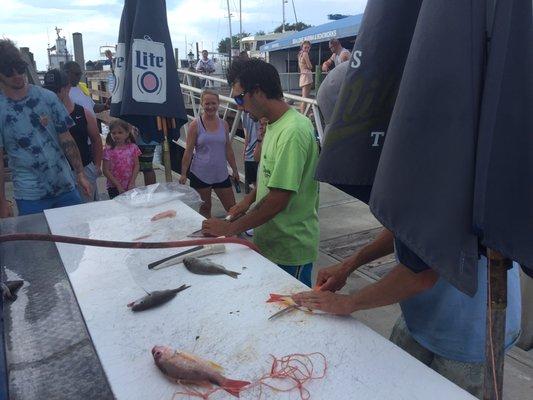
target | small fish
x=188, y=368
x=164, y=214
x=155, y=299
x=206, y=267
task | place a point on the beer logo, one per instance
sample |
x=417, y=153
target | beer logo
x=149, y=73
x=120, y=68
x=149, y=82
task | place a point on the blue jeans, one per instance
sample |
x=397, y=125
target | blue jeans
x=26, y=207
x=300, y=272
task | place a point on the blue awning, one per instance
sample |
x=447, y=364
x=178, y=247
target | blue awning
x=336, y=29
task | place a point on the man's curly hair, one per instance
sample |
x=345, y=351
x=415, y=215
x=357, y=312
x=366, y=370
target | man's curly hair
x=256, y=73
x=9, y=53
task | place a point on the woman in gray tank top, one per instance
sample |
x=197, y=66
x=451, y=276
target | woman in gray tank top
x=207, y=154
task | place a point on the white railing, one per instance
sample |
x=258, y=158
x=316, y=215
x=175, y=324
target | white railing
x=191, y=94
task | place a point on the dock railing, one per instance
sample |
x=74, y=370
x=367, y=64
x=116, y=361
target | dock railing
x=191, y=90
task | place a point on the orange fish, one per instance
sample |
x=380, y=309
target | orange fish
x=188, y=368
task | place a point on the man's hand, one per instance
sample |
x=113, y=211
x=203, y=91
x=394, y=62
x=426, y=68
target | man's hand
x=239, y=209
x=215, y=227
x=5, y=209
x=183, y=179
x=325, y=67
x=333, y=278
x=329, y=302
x=84, y=184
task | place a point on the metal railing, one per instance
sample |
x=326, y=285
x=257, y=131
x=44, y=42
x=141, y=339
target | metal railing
x=191, y=95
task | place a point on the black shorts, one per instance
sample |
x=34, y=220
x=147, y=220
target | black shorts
x=197, y=183
x=250, y=171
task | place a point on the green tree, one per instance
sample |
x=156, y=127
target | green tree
x=299, y=26
x=223, y=45
x=258, y=33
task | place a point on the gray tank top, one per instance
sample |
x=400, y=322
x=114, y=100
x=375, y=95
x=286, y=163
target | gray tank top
x=209, y=161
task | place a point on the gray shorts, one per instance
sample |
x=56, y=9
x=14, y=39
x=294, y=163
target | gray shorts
x=90, y=174
x=469, y=376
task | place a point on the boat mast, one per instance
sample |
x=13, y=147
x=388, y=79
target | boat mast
x=283, y=23
x=230, y=34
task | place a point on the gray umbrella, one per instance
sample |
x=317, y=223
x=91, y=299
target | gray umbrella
x=503, y=196
x=355, y=136
x=147, y=92
x=423, y=190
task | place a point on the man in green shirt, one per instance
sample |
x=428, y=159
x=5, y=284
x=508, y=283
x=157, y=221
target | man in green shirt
x=285, y=216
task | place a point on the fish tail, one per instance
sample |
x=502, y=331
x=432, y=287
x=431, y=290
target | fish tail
x=233, y=274
x=182, y=287
x=233, y=387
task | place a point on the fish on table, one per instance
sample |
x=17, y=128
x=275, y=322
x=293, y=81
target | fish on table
x=207, y=267
x=155, y=298
x=188, y=368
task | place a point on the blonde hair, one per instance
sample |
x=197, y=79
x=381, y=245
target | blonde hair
x=304, y=43
x=209, y=91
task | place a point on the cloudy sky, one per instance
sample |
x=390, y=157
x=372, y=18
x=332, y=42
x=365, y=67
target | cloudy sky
x=31, y=23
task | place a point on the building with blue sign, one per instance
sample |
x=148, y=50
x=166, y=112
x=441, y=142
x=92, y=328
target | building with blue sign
x=283, y=53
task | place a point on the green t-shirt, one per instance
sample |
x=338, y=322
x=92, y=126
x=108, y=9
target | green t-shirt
x=289, y=156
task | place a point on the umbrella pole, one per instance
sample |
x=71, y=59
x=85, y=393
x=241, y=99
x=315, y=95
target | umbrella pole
x=495, y=336
x=162, y=124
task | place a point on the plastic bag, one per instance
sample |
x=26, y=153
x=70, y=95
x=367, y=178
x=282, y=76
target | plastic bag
x=160, y=193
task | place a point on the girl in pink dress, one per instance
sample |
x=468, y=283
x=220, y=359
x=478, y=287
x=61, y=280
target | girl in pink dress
x=121, y=158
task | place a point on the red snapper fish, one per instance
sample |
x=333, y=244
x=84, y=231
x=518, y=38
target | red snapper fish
x=189, y=368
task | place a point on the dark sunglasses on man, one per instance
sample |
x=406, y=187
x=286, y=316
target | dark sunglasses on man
x=16, y=67
x=239, y=99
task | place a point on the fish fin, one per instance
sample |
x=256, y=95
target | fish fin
x=205, y=384
x=283, y=298
x=233, y=274
x=233, y=387
x=192, y=357
x=274, y=297
x=216, y=366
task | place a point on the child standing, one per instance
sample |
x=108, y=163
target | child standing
x=120, y=160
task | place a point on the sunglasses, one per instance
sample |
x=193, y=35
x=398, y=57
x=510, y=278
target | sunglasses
x=17, y=67
x=240, y=98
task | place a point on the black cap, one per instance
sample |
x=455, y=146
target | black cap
x=55, y=79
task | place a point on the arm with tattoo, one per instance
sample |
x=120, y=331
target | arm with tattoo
x=71, y=151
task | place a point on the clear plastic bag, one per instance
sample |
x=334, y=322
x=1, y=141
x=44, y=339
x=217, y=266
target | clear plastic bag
x=160, y=193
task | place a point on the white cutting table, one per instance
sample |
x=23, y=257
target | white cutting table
x=218, y=318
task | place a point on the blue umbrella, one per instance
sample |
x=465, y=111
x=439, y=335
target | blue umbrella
x=147, y=92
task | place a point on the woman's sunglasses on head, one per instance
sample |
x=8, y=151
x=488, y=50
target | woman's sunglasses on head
x=17, y=67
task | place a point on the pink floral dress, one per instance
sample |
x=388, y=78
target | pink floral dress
x=121, y=163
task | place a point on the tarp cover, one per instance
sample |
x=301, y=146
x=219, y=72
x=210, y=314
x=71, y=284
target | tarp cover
x=145, y=69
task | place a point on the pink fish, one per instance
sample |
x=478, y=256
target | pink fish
x=164, y=214
x=188, y=368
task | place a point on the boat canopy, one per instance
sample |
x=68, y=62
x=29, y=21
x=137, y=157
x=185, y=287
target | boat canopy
x=339, y=29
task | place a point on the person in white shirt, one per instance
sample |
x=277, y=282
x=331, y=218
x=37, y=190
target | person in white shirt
x=77, y=95
x=205, y=65
x=340, y=54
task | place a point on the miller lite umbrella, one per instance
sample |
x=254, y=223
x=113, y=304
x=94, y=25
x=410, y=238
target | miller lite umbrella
x=147, y=92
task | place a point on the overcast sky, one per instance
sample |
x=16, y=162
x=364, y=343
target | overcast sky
x=31, y=23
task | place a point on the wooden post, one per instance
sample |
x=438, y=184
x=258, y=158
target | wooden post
x=498, y=266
